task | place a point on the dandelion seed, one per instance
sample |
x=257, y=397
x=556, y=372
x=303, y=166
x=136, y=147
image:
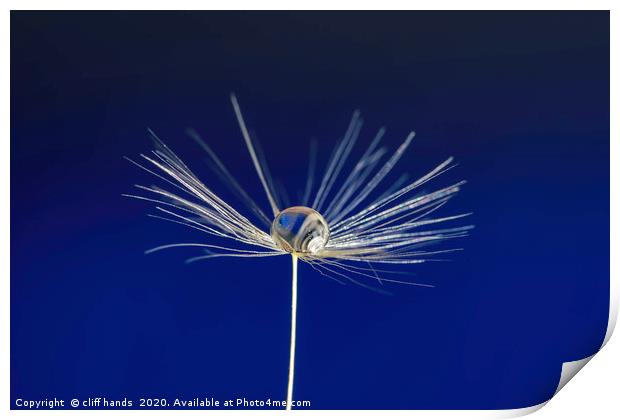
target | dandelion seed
x=340, y=235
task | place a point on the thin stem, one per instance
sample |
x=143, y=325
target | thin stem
x=291, y=366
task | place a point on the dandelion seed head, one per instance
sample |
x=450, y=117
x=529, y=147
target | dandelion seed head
x=344, y=223
x=300, y=230
x=341, y=235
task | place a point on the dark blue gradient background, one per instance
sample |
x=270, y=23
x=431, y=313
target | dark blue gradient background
x=521, y=99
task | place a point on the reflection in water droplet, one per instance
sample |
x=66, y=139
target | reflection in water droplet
x=300, y=230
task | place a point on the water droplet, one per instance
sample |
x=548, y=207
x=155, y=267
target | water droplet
x=300, y=230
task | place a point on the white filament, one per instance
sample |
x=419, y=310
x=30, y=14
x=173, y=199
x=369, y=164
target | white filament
x=248, y=143
x=291, y=365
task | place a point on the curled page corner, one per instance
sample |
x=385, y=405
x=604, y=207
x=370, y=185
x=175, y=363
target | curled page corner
x=519, y=412
x=570, y=369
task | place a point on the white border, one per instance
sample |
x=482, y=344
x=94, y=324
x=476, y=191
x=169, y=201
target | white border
x=596, y=396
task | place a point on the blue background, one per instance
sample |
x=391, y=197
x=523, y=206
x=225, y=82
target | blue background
x=521, y=99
